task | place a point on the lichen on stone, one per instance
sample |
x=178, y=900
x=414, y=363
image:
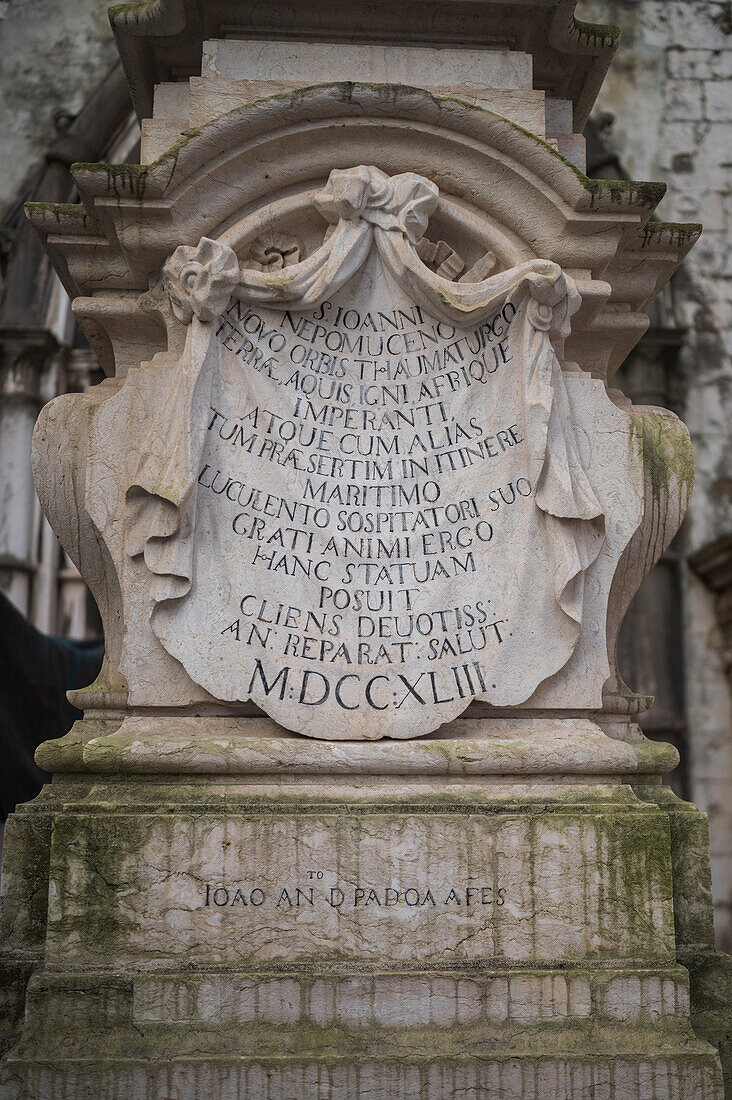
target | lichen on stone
x=664, y=445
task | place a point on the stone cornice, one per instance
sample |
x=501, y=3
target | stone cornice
x=133, y=217
x=161, y=40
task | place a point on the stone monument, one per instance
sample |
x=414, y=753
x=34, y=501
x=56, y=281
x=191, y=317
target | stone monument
x=358, y=806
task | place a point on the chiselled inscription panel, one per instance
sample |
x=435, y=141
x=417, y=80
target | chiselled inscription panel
x=282, y=887
x=365, y=464
x=382, y=499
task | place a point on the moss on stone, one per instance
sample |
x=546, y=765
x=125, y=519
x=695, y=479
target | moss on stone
x=664, y=445
x=122, y=179
x=596, y=34
x=101, y=851
x=26, y=847
x=58, y=209
x=131, y=179
x=692, y=882
x=676, y=233
x=639, y=193
x=130, y=12
x=710, y=974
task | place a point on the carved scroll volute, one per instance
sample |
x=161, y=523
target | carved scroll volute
x=663, y=447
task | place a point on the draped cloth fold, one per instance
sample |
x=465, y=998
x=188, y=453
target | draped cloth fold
x=365, y=207
x=162, y=496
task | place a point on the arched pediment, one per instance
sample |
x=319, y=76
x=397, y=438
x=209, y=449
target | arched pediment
x=490, y=172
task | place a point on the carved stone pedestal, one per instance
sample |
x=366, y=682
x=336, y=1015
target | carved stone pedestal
x=236, y=913
x=359, y=472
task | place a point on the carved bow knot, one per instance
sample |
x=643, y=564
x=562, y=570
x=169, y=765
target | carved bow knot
x=403, y=203
x=201, y=280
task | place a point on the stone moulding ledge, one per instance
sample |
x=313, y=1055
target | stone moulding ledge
x=124, y=204
x=253, y=746
x=154, y=36
x=340, y=100
x=672, y=234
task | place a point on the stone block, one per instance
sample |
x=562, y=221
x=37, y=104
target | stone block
x=497, y=998
x=695, y=199
x=171, y=101
x=573, y=148
x=239, y=1001
x=223, y=890
x=314, y=63
x=714, y=138
x=470, y=998
x=23, y=887
x=559, y=116
x=211, y=97
x=416, y=1015
x=697, y=64
x=692, y=884
x=14, y=977
x=353, y=1002
x=683, y=101
x=580, y=997
x=678, y=138
x=569, y=1077
x=158, y=134
x=718, y=97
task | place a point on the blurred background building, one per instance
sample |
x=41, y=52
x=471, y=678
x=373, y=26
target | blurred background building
x=665, y=113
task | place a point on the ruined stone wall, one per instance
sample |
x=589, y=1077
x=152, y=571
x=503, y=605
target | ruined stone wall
x=670, y=88
x=53, y=56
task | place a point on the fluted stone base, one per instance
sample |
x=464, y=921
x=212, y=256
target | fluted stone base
x=223, y=912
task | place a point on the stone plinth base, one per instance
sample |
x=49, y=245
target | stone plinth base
x=212, y=910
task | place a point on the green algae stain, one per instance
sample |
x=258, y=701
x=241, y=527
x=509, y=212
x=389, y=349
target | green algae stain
x=638, y=193
x=602, y=35
x=678, y=234
x=664, y=446
x=129, y=13
x=59, y=210
x=122, y=179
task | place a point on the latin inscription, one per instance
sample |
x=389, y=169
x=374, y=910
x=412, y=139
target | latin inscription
x=222, y=895
x=370, y=432
x=369, y=551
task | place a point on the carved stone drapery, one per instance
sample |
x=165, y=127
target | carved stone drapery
x=364, y=208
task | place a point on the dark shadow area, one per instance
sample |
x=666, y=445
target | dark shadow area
x=36, y=671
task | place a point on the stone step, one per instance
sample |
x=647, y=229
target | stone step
x=383, y=1000
x=692, y=1072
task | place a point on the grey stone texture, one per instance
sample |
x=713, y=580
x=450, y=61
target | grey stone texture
x=274, y=1007
x=54, y=55
x=670, y=90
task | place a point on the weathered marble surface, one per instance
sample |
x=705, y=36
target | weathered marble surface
x=366, y=509
x=501, y=193
x=466, y=751
x=572, y=1078
x=379, y=887
x=543, y=996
